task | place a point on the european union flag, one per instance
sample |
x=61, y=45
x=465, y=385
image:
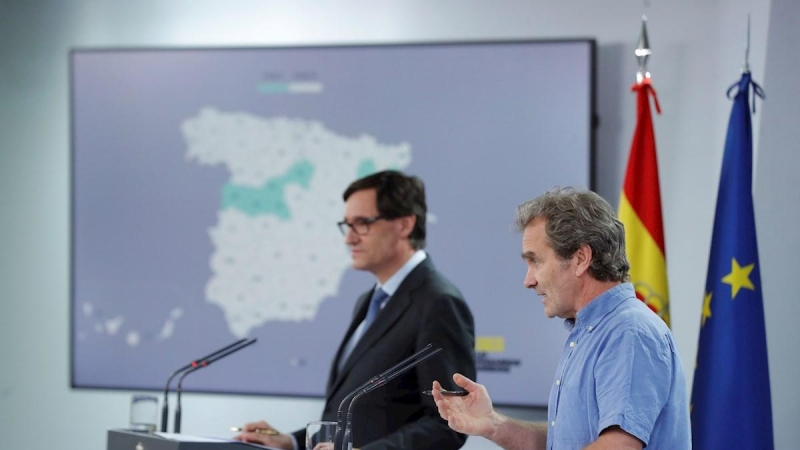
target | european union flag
x=731, y=405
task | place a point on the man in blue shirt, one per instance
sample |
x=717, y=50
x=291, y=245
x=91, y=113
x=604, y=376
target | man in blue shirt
x=619, y=383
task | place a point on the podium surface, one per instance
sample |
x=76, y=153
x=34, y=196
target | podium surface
x=120, y=439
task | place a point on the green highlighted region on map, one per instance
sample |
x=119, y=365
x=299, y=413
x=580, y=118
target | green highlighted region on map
x=367, y=167
x=269, y=198
x=276, y=257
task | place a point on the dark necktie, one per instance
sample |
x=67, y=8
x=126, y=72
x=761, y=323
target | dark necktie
x=378, y=297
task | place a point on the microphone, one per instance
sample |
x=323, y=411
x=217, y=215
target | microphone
x=204, y=363
x=165, y=407
x=346, y=441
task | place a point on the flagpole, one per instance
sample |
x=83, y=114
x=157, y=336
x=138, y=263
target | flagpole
x=746, y=67
x=640, y=200
x=643, y=53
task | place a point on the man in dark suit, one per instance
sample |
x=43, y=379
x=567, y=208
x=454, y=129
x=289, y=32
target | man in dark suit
x=411, y=306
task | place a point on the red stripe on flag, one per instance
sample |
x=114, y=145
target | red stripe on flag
x=641, y=178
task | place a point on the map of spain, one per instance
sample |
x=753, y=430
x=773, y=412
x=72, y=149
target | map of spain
x=277, y=255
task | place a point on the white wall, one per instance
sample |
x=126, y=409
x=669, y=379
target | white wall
x=698, y=51
x=777, y=206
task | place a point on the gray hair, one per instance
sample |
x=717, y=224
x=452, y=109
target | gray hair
x=577, y=218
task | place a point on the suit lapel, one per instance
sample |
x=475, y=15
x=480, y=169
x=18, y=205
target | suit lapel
x=362, y=304
x=398, y=304
x=385, y=321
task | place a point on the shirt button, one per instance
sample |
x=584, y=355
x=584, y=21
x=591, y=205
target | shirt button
x=572, y=344
x=553, y=423
x=591, y=327
x=558, y=382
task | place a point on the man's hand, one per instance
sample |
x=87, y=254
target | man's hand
x=471, y=414
x=474, y=415
x=262, y=433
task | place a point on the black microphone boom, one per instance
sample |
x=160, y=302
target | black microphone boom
x=204, y=363
x=348, y=436
x=344, y=442
x=165, y=406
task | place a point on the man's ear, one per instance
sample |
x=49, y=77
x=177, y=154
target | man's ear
x=583, y=259
x=406, y=224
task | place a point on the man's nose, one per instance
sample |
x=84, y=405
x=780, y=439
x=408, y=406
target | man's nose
x=530, y=280
x=351, y=237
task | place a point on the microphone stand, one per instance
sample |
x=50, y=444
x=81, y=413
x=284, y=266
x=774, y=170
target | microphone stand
x=348, y=435
x=346, y=442
x=204, y=363
x=165, y=406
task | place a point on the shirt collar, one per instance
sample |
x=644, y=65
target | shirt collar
x=391, y=285
x=593, y=313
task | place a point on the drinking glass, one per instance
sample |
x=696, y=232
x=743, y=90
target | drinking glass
x=144, y=413
x=318, y=432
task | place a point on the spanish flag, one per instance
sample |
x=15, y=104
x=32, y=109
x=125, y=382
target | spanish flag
x=640, y=209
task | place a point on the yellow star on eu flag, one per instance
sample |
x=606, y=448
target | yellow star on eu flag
x=739, y=278
x=706, y=307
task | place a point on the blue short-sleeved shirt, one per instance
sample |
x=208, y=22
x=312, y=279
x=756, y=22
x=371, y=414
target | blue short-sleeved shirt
x=620, y=366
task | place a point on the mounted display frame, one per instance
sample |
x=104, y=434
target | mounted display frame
x=206, y=185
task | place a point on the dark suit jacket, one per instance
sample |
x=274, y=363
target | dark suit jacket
x=426, y=308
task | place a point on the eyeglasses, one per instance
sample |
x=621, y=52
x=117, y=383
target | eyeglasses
x=360, y=226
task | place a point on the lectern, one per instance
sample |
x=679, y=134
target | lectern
x=120, y=439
